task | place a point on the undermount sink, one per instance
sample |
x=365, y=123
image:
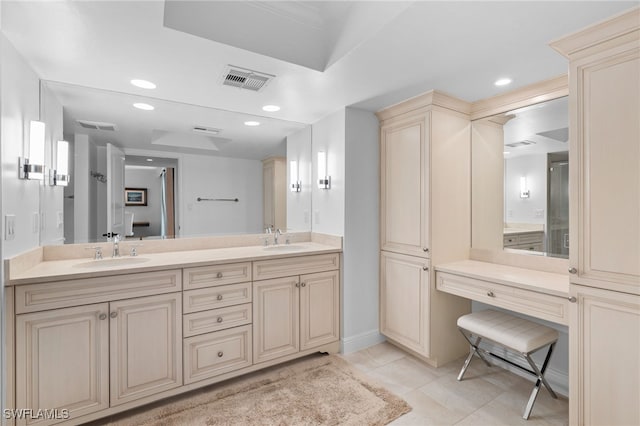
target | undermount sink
x=284, y=247
x=116, y=261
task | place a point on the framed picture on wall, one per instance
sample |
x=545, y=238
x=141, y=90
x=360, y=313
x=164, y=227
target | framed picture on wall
x=135, y=196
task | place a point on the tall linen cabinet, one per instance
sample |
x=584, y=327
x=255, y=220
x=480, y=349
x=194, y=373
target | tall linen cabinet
x=604, y=346
x=425, y=199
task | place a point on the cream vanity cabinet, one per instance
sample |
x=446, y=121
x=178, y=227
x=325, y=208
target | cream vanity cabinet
x=217, y=320
x=424, y=219
x=88, y=344
x=604, y=345
x=296, y=305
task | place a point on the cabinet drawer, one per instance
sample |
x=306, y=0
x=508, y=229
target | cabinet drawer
x=510, y=240
x=216, y=319
x=209, y=276
x=267, y=269
x=216, y=297
x=531, y=238
x=61, y=294
x=545, y=306
x=212, y=354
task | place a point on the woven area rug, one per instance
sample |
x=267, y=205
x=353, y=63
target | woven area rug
x=321, y=390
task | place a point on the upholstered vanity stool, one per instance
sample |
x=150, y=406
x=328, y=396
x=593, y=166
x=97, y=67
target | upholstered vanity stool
x=516, y=334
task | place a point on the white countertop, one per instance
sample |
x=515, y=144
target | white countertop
x=56, y=270
x=528, y=279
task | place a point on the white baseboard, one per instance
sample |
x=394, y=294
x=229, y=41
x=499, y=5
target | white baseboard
x=558, y=379
x=361, y=341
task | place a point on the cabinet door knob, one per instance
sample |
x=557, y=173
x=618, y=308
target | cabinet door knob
x=220, y=354
x=490, y=294
x=219, y=319
x=425, y=268
x=297, y=284
x=426, y=250
x=113, y=314
x=573, y=270
x=219, y=275
x=303, y=284
x=103, y=316
x=219, y=297
x=572, y=299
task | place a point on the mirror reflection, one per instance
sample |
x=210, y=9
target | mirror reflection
x=171, y=171
x=520, y=180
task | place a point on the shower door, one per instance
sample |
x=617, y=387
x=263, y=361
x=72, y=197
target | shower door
x=558, y=205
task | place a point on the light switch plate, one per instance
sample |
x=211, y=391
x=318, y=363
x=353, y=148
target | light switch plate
x=9, y=227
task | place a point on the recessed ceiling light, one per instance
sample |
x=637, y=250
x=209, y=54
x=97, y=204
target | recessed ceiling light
x=251, y=123
x=149, y=159
x=143, y=106
x=144, y=84
x=502, y=81
x=271, y=108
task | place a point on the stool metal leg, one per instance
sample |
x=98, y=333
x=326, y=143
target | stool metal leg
x=472, y=350
x=540, y=380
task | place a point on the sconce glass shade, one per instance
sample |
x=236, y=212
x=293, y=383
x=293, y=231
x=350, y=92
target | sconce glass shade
x=524, y=191
x=61, y=174
x=32, y=167
x=295, y=184
x=324, y=181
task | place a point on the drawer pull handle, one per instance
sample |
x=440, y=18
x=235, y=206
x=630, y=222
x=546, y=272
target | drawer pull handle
x=425, y=268
x=219, y=297
x=103, y=316
x=573, y=270
x=220, y=354
x=113, y=314
x=572, y=299
x=219, y=275
x=219, y=319
x=490, y=294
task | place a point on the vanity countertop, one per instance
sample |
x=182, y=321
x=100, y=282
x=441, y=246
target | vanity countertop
x=528, y=279
x=57, y=270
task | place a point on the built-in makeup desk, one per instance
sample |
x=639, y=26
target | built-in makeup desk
x=539, y=294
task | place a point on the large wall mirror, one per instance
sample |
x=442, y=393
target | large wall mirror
x=520, y=180
x=176, y=170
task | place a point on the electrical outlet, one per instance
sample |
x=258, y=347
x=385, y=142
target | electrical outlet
x=60, y=220
x=9, y=227
x=539, y=212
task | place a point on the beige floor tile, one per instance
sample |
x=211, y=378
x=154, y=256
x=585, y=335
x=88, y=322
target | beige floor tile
x=430, y=411
x=384, y=353
x=465, y=396
x=408, y=372
x=361, y=360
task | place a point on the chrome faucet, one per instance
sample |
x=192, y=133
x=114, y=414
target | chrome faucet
x=116, y=246
x=276, y=235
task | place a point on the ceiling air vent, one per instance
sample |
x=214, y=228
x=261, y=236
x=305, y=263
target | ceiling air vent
x=560, y=135
x=96, y=125
x=245, y=78
x=521, y=143
x=206, y=130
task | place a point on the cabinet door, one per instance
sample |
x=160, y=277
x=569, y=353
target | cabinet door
x=62, y=360
x=404, y=187
x=275, y=318
x=606, y=223
x=146, y=346
x=605, y=353
x=319, y=309
x=404, y=300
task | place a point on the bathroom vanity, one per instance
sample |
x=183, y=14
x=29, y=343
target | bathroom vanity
x=97, y=337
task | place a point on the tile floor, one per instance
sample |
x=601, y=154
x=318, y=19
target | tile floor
x=487, y=395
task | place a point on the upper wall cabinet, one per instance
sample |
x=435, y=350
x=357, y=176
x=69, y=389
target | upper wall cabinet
x=605, y=147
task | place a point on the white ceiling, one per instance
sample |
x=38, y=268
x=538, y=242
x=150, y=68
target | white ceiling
x=398, y=51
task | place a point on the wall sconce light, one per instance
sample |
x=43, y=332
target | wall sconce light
x=32, y=167
x=524, y=191
x=295, y=184
x=324, y=181
x=60, y=175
